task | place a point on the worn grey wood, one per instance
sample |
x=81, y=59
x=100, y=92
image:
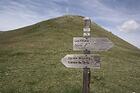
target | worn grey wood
x=86, y=77
x=86, y=29
x=86, y=71
x=87, y=22
x=86, y=35
x=82, y=61
x=92, y=44
x=86, y=80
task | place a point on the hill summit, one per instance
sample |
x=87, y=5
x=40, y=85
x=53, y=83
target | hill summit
x=30, y=60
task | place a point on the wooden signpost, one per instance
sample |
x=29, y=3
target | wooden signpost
x=86, y=60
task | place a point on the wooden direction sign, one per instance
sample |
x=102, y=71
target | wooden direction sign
x=86, y=29
x=92, y=44
x=81, y=61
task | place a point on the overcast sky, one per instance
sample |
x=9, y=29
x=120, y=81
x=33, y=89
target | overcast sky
x=121, y=17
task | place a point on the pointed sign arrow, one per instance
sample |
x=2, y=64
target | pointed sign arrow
x=81, y=61
x=92, y=44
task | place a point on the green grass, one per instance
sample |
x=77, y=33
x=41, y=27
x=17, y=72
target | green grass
x=30, y=60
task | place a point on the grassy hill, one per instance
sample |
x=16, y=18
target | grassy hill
x=30, y=60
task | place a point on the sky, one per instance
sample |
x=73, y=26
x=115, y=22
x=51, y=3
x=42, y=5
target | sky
x=121, y=17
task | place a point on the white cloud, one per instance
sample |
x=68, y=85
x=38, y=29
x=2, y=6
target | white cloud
x=129, y=26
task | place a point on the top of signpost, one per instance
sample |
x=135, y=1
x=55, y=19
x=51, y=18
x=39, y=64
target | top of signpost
x=86, y=18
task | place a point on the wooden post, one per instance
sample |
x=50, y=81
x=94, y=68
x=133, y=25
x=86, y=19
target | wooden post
x=86, y=77
x=86, y=71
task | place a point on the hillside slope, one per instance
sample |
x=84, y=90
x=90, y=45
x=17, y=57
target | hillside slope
x=30, y=60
